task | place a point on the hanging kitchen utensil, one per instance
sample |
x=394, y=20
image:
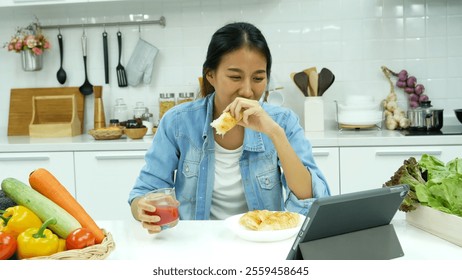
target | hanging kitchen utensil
x=326, y=79
x=87, y=87
x=301, y=80
x=106, y=57
x=61, y=74
x=121, y=75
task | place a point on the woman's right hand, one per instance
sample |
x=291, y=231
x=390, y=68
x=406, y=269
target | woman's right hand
x=147, y=220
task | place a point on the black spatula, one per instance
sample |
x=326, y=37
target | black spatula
x=121, y=74
x=301, y=80
x=325, y=80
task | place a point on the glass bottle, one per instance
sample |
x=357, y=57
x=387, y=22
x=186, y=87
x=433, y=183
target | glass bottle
x=166, y=101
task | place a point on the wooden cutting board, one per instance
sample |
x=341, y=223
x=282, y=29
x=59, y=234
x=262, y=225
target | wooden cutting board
x=20, y=114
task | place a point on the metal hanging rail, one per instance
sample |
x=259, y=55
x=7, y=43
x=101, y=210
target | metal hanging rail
x=161, y=22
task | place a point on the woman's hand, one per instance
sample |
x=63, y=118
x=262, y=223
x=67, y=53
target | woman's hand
x=253, y=115
x=147, y=220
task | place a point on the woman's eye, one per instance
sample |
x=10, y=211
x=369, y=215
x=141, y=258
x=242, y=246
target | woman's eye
x=235, y=77
x=259, y=79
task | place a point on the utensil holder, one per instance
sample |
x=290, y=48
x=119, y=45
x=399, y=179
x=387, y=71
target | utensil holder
x=314, y=113
x=51, y=123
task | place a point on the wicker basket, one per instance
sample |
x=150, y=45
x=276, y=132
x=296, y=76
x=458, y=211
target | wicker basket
x=95, y=252
x=106, y=133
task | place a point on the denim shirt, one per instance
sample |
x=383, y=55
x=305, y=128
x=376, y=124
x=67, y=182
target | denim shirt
x=182, y=155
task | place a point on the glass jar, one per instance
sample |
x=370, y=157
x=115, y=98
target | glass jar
x=114, y=123
x=185, y=97
x=166, y=101
x=120, y=111
x=140, y=110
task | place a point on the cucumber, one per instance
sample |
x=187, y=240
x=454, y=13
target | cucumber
x=42, y=206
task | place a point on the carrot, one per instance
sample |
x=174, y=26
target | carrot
x=45, y=183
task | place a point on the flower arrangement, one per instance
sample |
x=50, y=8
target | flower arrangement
x=29, y=38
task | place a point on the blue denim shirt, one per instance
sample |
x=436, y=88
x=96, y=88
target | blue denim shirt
x=182, y=156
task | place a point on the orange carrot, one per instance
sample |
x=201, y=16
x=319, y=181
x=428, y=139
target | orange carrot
x=45, y=183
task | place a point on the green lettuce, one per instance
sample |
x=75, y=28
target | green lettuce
x=443, y=189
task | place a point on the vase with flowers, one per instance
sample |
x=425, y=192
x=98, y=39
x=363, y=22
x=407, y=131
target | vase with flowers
x=30, y=43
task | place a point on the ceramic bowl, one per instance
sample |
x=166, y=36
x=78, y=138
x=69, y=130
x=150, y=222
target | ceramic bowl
x=355, y=100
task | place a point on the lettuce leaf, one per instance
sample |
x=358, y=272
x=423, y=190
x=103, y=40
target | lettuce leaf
x=443, y=190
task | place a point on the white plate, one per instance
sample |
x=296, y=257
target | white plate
x=261, y=236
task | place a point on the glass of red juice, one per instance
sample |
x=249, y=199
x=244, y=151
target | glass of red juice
x=164, y=200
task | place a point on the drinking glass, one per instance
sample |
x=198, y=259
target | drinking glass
x=164, y=200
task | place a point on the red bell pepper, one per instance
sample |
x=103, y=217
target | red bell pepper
x=8, y=245
x=80, y=238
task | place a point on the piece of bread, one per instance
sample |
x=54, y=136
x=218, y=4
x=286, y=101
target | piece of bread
x=260, y=220
x=224, y=123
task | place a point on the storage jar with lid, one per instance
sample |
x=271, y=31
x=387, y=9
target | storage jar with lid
x=166, y=101
x=185, y=97
x=120, y=111
x=114, y=123
x=140, y=110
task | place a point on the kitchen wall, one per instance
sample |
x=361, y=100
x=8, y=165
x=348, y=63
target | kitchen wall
x=353, y=38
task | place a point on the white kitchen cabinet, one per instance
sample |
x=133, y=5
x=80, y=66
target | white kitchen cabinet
x=364, y=168
x=20, y=165
x=327, y=160
x=104, y=180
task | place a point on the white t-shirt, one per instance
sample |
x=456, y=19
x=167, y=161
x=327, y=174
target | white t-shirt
x=228, y=197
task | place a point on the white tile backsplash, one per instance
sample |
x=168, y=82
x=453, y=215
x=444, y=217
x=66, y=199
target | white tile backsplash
x=353, y=38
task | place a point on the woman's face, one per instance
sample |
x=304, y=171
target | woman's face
x=241, y=73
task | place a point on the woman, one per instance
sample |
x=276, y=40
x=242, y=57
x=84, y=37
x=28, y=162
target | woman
x=219, y=176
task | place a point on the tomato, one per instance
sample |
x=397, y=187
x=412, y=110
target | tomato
x=80, y=238
x=8, y=245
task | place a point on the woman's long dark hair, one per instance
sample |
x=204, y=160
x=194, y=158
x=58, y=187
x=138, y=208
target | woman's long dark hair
x=229, y=38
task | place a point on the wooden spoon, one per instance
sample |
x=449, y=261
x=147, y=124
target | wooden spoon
x=313, y=83
x=310, y=86
x=301, y=80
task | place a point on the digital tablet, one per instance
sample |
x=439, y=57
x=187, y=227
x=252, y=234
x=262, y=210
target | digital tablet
x=346, y=213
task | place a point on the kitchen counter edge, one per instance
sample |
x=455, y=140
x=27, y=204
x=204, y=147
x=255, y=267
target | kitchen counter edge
x=322, y=139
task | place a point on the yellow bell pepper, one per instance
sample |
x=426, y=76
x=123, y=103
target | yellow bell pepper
x=35, y=242
x=17, y=219
x=61, y=245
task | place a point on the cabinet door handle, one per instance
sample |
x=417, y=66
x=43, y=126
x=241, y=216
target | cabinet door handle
x=114, y=157
x=321, y=153
x=24, y=158
x=408, y=153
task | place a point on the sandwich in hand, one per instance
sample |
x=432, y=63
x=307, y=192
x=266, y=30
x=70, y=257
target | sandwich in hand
x=225, y=122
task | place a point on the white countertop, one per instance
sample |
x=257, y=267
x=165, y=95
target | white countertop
x=213, y=241
x=327, y=138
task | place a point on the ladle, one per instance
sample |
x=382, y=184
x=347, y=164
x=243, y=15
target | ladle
x=87, y=87
x=61, y=74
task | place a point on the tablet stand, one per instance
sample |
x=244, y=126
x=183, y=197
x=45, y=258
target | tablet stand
x=378, y=243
